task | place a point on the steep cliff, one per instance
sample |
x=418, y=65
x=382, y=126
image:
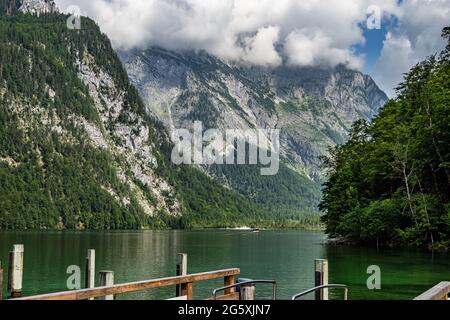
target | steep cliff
x=78, y=150
x=313, y=107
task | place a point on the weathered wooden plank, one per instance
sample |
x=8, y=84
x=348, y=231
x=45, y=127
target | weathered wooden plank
x=228, y=281
x=90, y=269
x=107, y=280
x=247, y=292
x=84, y=294
x=15, y=271
x=439, y=292
x=181, y=298
x=321, y=278
x=1, y=281
x=181, y=270
x=187, y=290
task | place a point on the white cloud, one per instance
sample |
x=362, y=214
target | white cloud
x=313, y=32
x=245, y=30
x=305, y=48
x=417, y=36
x=396, y=58
x=260, y=49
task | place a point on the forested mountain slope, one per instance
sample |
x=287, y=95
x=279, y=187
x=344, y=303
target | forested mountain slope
x=78, y=150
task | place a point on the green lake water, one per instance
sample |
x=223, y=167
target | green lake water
x=284, y=256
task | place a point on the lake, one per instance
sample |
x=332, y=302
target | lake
x=284, y=256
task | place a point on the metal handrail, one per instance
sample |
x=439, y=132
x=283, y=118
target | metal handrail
x=245, y=283
x=341, y=286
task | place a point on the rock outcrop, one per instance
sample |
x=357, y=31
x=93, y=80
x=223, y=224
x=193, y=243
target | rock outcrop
x=38, y=7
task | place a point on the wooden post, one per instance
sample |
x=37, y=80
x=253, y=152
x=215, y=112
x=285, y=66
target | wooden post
x=187, y=290
x=321, y=278
x=181, y=271
x=228, y=281
x=15, y=271
x=107, y=279
x=90, y=269
x=1, y=281
x=246, y=292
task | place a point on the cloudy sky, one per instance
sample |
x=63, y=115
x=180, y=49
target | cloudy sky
x=309, y=32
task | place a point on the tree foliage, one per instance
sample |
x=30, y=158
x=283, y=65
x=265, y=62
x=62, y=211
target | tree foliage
x=390, y=184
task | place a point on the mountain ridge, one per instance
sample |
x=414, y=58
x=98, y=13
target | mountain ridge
x=313, y=107
x=169, y=71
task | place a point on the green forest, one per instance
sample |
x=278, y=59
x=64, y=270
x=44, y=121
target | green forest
x=390, y=183
x=48, y=183
x=287, y=195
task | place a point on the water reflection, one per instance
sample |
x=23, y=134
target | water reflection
x=285, y=256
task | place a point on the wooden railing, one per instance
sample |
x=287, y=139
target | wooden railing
x=185, y=281
x=438, y=292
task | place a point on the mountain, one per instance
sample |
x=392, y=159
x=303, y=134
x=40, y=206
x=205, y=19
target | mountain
x=70, y=117
x=313, y=107
x=78, y=149
x=34, y=7
x=38, y=7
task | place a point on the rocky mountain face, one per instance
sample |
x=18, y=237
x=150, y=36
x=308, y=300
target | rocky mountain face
x=77, y=148
x=34, y=7
x=38, y=7
x=313, y=107
x=85, y=112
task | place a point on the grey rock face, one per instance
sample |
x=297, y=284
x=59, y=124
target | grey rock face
x=38, y=7
x=313, y=107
